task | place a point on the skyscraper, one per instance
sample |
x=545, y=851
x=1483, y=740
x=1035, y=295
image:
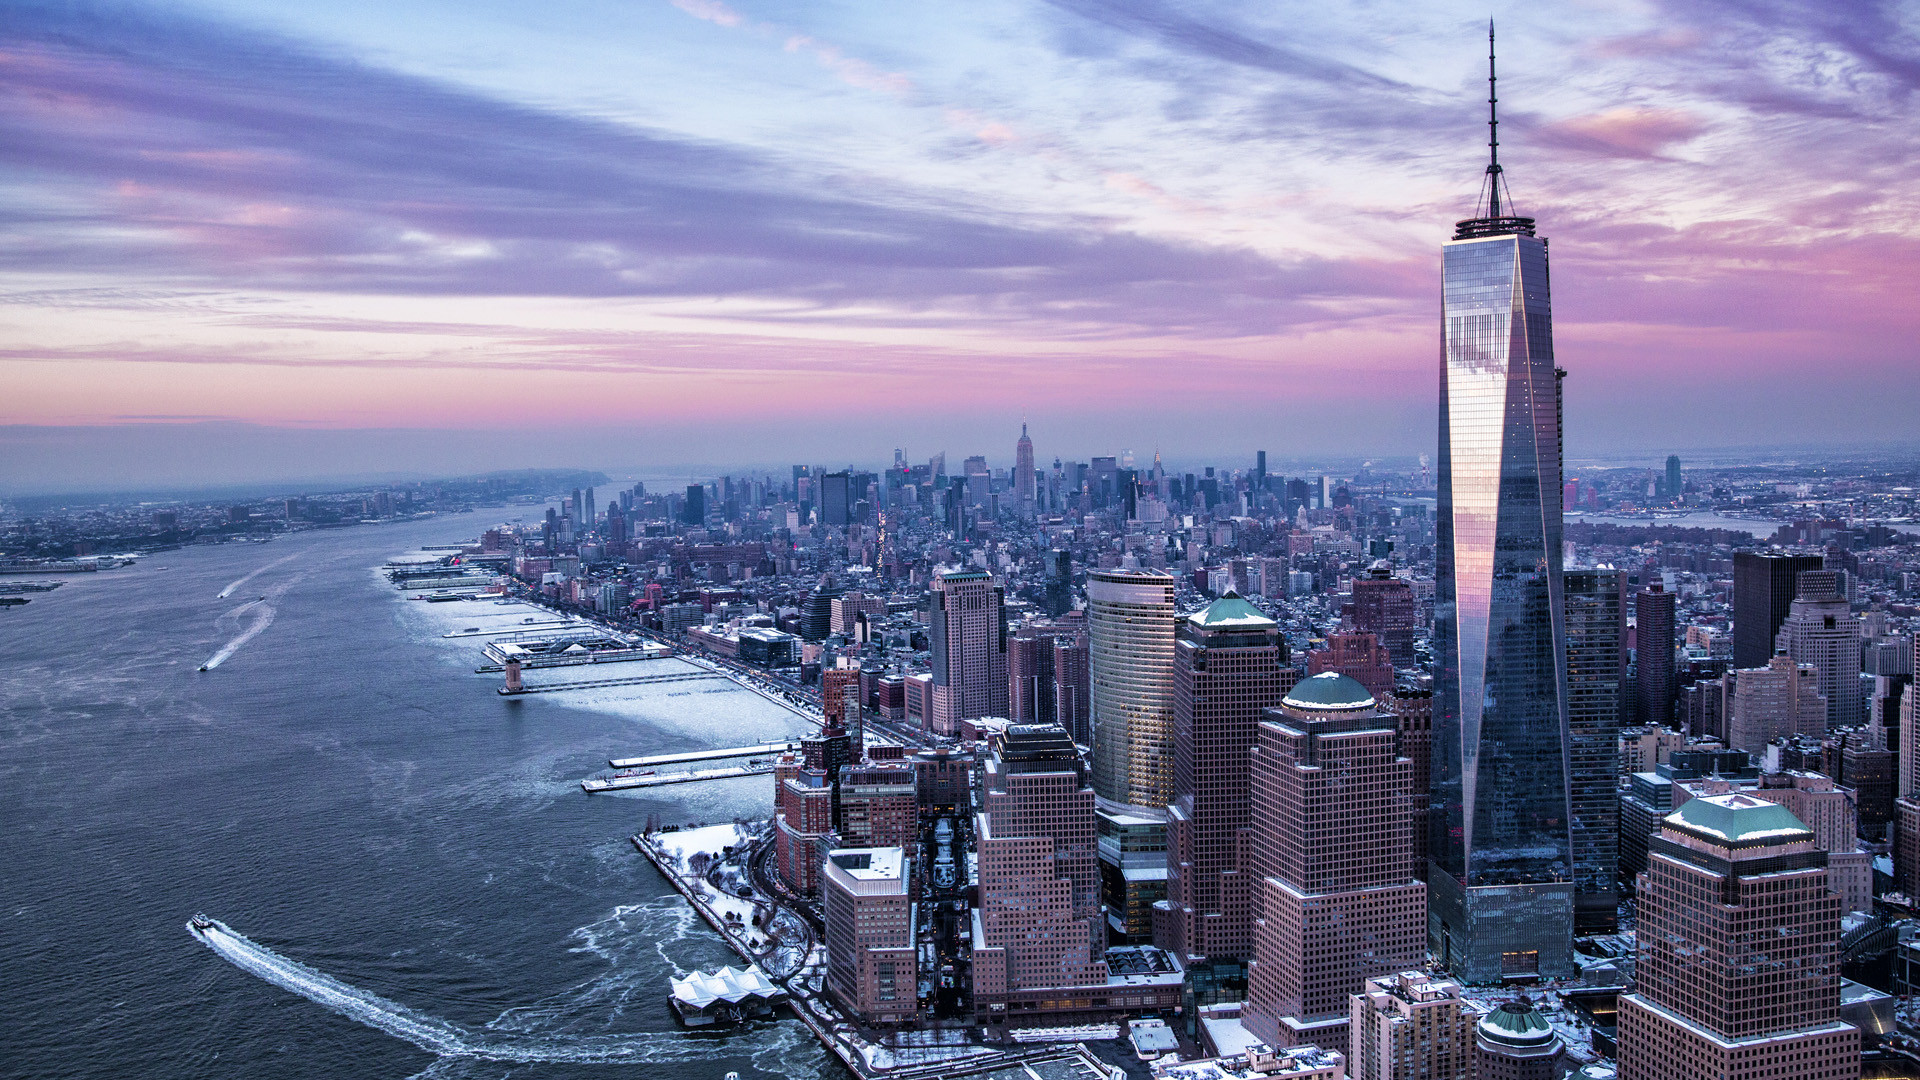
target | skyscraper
x=1384, y=605
x=1229, y=668
x=1023, y=469
x=1501, y=845
x=1130, y=630
x=695, y=511
x=1596, y=660
x=867, y=906
x=1675, y=488
x=836, y=500
x=967, y=636
x=1820, y=630
x=1036, y=930
x=1739, y=959
x=1358, y=655
x=1653, y=667
x=1764, y=585
x=1336, y=902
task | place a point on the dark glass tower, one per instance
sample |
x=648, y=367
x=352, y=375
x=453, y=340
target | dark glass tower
x=1501, y=880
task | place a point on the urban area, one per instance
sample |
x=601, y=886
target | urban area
x=1475, y=765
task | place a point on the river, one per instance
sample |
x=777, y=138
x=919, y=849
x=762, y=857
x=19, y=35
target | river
x=414, y=882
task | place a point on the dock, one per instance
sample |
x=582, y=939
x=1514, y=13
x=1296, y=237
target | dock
x=594, y=785
x=702, y=755
x=595, y=684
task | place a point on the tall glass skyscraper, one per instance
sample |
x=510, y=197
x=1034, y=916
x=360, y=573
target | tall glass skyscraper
x=1501, y=880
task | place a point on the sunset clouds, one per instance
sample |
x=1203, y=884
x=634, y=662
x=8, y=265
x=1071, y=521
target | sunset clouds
x=1149, y=212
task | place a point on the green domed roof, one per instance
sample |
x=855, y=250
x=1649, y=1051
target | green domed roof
x=1231, y=612
x=1517, y=1023
x=1328, y=690
x=1739, y=819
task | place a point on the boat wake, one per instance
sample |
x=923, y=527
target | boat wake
x=450, y=1040
x=263, y=613
x=228, y=591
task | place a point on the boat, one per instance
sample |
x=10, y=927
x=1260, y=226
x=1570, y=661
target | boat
x=201, y=922
x=203, y=667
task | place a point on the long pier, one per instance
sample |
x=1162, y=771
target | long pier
x=594, y=684
x=702, y=755
x=594, y=785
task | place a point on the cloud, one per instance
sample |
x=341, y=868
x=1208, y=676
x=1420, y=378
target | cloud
x=214, y=157
x=1624, y=132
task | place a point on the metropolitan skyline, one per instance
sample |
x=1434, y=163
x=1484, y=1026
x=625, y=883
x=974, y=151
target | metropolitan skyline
x=629, y=222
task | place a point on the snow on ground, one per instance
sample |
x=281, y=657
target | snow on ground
x=886, y=1057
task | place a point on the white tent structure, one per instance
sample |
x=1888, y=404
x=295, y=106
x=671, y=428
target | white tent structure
x=703, y=999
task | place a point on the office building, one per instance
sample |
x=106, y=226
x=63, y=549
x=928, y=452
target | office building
x=1359, y=656
x=1384, y=605
x=1072, y=687
x=1778, y=700
x=879, y=805
x=803, y=813
x=1412, y=710
x=1738, y=967
x=1820, y=630
x=836, y=499
x=1764, y=585
x=1674, y=489
x=967, y=637
x=1023, y=486
x=1038, y=939
x=1653, y=661
x=1411, y=1026
x=1514, y=1042
x=694, y=510
x=866, y=902
x=1500, y=841
x=1336, y=900
x=1596, y=667
x=1130, y=636
x=1030, y=683
x=1229, y=667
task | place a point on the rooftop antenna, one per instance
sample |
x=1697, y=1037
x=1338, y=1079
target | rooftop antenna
x=1496, y=218
x=1493, y=130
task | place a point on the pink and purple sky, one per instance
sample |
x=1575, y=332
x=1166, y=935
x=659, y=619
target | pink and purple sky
x=652, y=232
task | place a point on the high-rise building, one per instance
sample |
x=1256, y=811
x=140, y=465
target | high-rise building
x=1336, y=900
x=1023, y=488
x=1072, y=687
x=1500, y=840
x=1230, y=666
x=694, y=511
x=836, y=501
x=866, y=904
x=1739, y=961
x=1653, y=665
x=1358, y=655
x=816, y=611
x=1059, y=596
x=1776, y=700
x=1514, y=1042
x=1596, y=661
x=967, y=636
x=1764, y=585
x=1130, y=630
x=1384, y=605
x=1038, y=941
x=1030, y=675
x=1411, y=1026
x=879, y=806
x=803, y=813
x=1674, y=488
x=1820, y=630
x=1412, y=710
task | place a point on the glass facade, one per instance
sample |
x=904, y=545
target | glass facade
x=1501, y=839
x=1596, y=625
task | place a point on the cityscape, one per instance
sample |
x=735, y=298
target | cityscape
x=1022, y=756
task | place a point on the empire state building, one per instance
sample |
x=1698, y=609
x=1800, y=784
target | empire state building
x=1501, y=883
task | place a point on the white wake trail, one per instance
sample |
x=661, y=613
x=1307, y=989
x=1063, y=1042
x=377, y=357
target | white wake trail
x=228, y=591
x=431, y=1033
x=262, y=618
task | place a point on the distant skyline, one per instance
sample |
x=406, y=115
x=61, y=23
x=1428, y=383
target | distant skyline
x=362, y=237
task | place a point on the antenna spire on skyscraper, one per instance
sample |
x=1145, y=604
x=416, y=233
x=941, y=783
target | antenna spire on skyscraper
x=1494, y=210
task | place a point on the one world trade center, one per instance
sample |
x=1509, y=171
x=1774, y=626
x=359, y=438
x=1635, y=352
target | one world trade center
x=1500, y=887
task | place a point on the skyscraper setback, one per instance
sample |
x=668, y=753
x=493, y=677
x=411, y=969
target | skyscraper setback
x=967, y=636
x=1501, y=847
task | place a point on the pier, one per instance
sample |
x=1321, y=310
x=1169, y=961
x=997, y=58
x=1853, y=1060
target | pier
x=593, y=785
x=702, y=755
x=594, y=684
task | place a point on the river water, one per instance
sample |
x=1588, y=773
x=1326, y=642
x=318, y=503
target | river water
x=413, y=881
